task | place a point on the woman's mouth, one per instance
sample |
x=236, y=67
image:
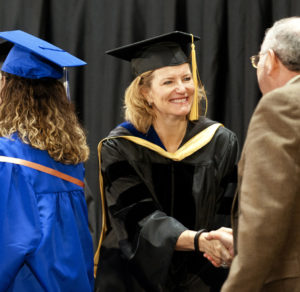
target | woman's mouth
x=179, y=100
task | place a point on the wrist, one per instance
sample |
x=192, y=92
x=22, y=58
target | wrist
x=197, y=237
x=203, y=241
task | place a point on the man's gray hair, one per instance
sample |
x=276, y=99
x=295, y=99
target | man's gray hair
x=284, y=39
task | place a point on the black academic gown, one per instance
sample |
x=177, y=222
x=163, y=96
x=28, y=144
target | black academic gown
x=150, y=199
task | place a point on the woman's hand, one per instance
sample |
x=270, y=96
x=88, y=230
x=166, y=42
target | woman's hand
x=214, y=250
x=223, y=235
x=211, y=244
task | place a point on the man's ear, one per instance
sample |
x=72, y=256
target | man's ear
x=271, y=62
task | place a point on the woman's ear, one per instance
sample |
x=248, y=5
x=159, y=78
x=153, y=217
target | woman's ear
x=146, y=94
x=2, y=81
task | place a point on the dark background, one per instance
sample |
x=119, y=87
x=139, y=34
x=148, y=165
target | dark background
x=230, y=30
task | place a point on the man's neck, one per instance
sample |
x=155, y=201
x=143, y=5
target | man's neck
x=293, y=79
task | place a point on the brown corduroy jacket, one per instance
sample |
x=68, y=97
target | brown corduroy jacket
x=267, y=211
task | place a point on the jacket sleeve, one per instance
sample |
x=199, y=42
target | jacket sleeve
x=19, y=221
x=146, y=235
x=268, y=193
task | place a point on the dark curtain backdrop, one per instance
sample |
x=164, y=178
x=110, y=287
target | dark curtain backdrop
x=230, y=30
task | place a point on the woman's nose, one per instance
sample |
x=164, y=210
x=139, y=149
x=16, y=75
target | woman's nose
x=180, y=88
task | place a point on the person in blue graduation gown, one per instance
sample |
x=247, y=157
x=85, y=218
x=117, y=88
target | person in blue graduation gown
x=166, y=177
x=45, y=243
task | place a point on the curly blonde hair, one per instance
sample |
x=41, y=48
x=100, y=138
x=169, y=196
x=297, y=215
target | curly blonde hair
x=137, y=109
x=39, y=111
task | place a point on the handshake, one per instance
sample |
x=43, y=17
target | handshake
x=217, y=246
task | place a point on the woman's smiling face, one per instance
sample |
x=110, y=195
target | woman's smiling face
x=172, y=90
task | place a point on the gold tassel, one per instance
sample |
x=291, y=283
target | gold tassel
x=194, y=113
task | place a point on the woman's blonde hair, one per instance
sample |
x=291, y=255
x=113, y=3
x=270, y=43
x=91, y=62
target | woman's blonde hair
x=137, y=110
x=39, y=111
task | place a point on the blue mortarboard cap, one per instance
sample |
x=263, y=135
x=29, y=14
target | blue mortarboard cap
x=34, y=58
x=5, y=47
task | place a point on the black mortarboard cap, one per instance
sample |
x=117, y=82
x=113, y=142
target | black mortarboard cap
x=169, y=49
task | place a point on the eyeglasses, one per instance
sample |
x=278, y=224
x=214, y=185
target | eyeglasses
x=254, y=60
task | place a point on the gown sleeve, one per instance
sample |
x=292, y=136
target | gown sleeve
x=224, y=180
x=145, y=234
x=226, y=163
x=20, y=228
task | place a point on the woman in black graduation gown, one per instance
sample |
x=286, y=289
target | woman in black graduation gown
x=165, y=174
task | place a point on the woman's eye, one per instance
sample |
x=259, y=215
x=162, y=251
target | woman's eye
x=167, y=82
x=188, y=78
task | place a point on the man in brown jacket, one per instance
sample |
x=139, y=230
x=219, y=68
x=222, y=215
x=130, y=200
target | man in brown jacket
x=267, y=215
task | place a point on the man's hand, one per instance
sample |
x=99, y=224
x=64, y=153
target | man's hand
x=224, y=235
x=214, y=250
